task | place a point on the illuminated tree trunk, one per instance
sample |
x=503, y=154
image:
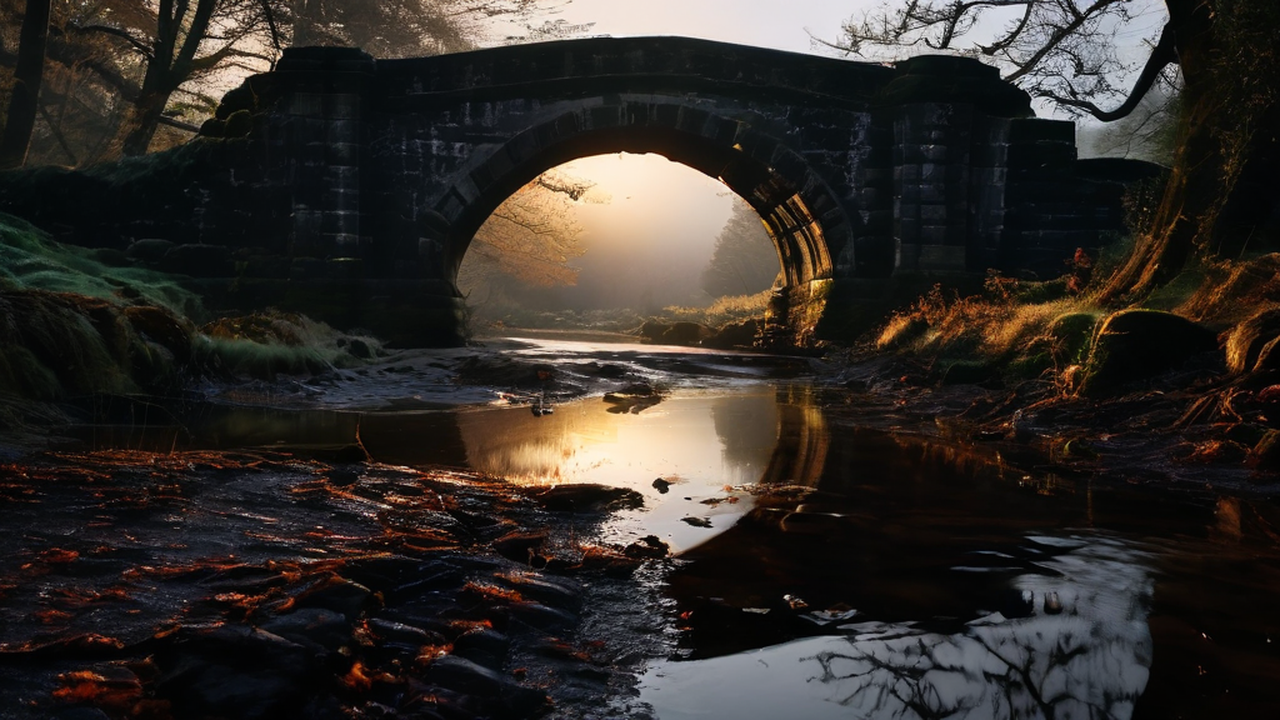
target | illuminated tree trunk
x=1217, y=201
x=28, y=75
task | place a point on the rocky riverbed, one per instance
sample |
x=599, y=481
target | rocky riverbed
x=269, y=585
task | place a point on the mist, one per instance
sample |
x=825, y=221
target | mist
x=647, y=241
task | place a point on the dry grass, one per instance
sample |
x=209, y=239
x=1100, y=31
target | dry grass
x=999, y=324
x=728, y=309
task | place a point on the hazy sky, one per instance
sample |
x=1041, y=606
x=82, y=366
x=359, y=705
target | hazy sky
x=780, y=24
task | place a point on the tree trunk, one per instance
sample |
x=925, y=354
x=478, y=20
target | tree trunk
x=143, y=121
x=1226, y=137
x=23, y=104
x=167, y=70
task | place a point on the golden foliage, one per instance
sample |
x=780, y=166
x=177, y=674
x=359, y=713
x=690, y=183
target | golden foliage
x=531, y=237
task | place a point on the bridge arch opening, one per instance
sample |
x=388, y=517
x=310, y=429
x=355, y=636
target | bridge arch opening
x=611, y=239
x=803, y=218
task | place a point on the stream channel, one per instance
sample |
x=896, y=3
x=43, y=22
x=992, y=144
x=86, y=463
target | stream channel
x=829, y=559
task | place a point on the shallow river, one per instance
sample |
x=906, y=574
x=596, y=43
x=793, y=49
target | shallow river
x=831, y=565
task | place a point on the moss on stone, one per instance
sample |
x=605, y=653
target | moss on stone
x=1132, y=346
x=1071, y=334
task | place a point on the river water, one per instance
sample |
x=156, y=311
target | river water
x=829, y=561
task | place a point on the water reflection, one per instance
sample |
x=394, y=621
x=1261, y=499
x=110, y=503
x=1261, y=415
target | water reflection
x=1089, y=659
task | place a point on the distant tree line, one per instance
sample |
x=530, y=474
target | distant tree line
x=745, y=260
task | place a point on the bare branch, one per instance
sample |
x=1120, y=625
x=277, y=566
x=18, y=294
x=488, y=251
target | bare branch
x=1162, y=55
x=140, y=46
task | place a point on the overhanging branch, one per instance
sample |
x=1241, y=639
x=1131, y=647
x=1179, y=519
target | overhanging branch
x=1162, y=55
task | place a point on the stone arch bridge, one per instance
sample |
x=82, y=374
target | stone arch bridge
x=357, y=184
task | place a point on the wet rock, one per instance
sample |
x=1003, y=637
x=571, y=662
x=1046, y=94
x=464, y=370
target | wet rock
x=484, y=647
x=662, y=486
x=640, y=389
x=507, y=699
x=696, y=521
x=608, y=371
x=540, y=616
x=1137, y=345
x=633, y=398
x=337, y=594
x=235, y=671
x=520, y=546
x=396, y=633
x=543, y=591
x=81, y=713
x=588, y=497
x=315, y=628
x=648, y=547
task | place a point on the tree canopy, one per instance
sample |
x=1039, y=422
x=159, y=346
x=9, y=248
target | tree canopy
x=123, y=76
x=529, y=240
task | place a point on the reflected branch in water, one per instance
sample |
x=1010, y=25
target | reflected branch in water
x=1092, y=661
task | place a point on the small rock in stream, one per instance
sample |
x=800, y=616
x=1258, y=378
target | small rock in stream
x=696, y=521
x=588, y=497
x=648, y=547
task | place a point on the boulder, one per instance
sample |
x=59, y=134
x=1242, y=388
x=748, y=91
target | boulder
x=484, y=647
x=317, y=629
x=1133, y=346
x=148, y=250
x=199, y=260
